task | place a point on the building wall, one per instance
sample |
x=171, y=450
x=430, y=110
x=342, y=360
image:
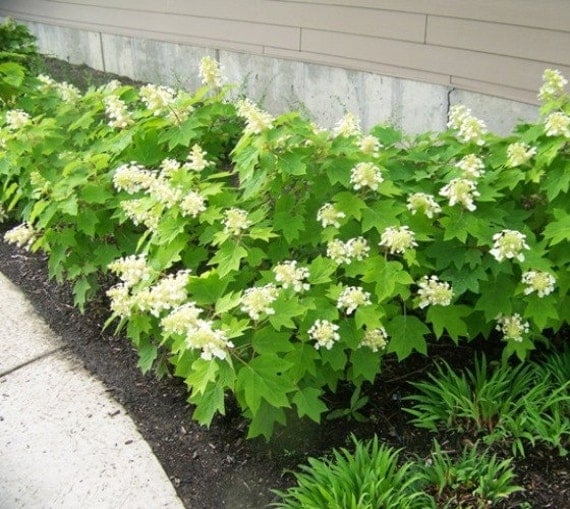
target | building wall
x=403, y=61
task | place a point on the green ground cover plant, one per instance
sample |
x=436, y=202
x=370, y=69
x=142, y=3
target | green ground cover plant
x=372, y=476
x=270, y=259
x=472, y=480
x=522, y=406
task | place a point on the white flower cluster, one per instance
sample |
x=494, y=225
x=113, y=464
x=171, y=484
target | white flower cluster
x=110, y=86
x=235, y=221
x=509, y=244
x=457, y=114
x=213, y=342
x=348, y=125
x=164, y=193
x=167, y=293
x=132, y=178
x=200, y=334
x=169, y=166
x=290, y=276
x=131, y=269
x=518, y=154
x=181, y=319
x=324, y=333
x=537, y=281
x=157, y=98
x=356, y=248
x=461, y=190
x=192, y=204
x=210, y=73
x=197, y=159
x=472, y=167
x=557, y=124
x=375, y=339
x=365, y=175
x=351, y=298
x=141, y=212
x=46, y=82
x=513, y=327
x=338, y=252
x=328, y=215
x=398, y=239
x=67, y=92
x=16, y=119
x=22, y=235
x=117, y=111
x=257, y=301
x=470, y=128
x=425, y=203
x=121, y=300
x=256, y=120
x=433, y=292
x=552, y=85
x=370, y=145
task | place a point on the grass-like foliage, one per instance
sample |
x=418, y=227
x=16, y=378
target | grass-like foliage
x=269, y=258
x=474, y=480
x=370, y=477
x=555, y=367
x=524, y=405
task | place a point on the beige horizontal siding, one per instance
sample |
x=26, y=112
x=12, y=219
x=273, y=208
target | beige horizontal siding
x=500, y=39
x=118, y=20
x=487, y=46
x=550, y=14
x=391, y=24
x=526, y=74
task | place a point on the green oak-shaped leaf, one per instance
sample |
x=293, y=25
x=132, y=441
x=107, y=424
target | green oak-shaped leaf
x=406, y=334
x=263, y=379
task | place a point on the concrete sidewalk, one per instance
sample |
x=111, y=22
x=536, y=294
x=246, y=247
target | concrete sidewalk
x=64, y=443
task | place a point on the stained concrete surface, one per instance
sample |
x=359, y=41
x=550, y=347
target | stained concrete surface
x=64, y=442
x=323, y=92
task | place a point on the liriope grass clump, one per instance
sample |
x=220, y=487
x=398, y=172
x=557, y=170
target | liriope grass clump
x=373, y=476
x=369, y=477
x=520, y=406
x=470, y=479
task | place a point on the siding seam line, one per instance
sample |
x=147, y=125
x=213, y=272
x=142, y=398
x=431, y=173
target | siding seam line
x=102, y=52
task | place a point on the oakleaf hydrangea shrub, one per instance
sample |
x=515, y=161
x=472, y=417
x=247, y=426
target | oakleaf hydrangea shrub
x=271, y=259
x=61, y=150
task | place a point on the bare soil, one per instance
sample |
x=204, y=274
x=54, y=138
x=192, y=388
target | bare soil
x=217, y=467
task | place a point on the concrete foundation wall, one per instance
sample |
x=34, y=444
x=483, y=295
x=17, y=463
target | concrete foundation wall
x=324, y=92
